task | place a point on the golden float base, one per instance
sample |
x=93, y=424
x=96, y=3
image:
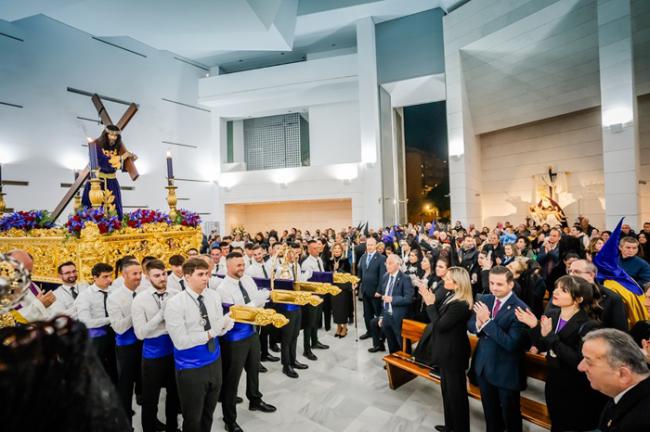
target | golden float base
x=52, y=247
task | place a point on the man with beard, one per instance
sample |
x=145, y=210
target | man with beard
x=240, y=346
x=67, y=292
x=157, y=349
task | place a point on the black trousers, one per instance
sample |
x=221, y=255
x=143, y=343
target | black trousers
x=453, y=383
x=501, y=407
x=371, y=309
x=237, y=357
x=198, y=392
x=289, y=337
x=309, y=321
x=342, y=304
x=129, y=363
x=326, y=314
x=105, y=347
x=156, y=374
x=265, y=335
x=390, y=329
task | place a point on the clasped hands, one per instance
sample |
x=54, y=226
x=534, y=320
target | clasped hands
x=527, y=317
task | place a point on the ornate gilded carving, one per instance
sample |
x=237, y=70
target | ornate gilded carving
x=317, y=287
x=300, y=298
x=341, y=278
x=52, y=247
x=257, y=316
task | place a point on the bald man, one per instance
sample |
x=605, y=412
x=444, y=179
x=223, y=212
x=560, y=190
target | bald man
x=35, y=304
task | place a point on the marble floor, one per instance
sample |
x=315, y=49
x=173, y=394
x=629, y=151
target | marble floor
x=345, y=390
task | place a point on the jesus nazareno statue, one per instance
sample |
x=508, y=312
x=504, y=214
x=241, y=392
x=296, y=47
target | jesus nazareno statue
x=108, y=162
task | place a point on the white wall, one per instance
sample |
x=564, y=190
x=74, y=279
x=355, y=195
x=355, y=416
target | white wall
x=334, y=133
x=571, y=144
x=42, y=142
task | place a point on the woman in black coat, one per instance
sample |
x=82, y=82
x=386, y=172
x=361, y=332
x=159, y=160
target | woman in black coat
x=572, y=404
x=445, y=344
x=341, y=303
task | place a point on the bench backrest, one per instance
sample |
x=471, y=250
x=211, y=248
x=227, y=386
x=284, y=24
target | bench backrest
x=535, y=364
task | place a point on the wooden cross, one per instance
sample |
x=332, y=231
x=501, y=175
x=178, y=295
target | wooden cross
x=129, y=166
x=551, y=176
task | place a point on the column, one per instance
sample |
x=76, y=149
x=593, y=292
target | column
x=218, y=155
x=619, y=113
x=464, y=148
x=369, y=123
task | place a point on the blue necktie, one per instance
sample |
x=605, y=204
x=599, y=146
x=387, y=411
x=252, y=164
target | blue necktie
x=368, y=258
x=389, y=291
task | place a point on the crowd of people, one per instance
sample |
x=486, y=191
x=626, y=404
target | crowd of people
x=154, y=324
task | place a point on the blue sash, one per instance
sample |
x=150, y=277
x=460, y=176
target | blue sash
x=97, y=332
x=126, y=338
x=240, y=331
x=196, y=357
x=326, y=277
x=157, y=347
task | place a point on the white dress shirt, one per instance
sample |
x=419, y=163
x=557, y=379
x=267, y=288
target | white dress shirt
x=64, y=304
x=31, y=308
x=231, y=293
x=147, y=312
x=256, y=270
x=214, y=282
x=183, y=318
x=174, y=282
x=119, y=309
x=313, y=264
x=90, y=307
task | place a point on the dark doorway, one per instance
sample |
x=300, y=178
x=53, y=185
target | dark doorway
x=427, y=169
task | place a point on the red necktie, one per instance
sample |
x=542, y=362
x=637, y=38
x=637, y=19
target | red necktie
x=497, y=308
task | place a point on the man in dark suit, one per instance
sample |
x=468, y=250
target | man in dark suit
x=614, y=315
x=371, y=269
x=497, y=362
x=396, y=299
x=616, y=367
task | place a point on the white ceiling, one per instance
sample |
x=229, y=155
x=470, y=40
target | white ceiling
x=214, y=32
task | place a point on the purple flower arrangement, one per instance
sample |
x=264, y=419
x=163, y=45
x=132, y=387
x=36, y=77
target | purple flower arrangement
x=139, y=217
x=107, y=223
x=187, y=218
x=26, y=220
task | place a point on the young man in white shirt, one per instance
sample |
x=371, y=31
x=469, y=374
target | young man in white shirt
x=68, y=291
x=194, y=319
x=175, y=279
x=128, y=347
x=92, y=310
x=157, y=349
x=240, y=346
x=214, y=280
x=311, y=314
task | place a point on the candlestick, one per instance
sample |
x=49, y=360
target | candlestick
x=171, y=198
x=96, y=195
x=170, y=167
x=76, y=205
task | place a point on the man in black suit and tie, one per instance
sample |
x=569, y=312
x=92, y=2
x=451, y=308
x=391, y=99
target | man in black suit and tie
x=616, y=367
x=371, y=270
x=497, y=362
x=396, y=299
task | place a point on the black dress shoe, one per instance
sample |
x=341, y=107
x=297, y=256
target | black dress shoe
x=262, y=406
x=160, y=426
x=263, y=369
x=138, y=399
x=319, y=345
x=298, y=365
x=234, y=427
x=238, y=400
x=376, y=349
x=310, y=355
x=441, y=428
x=270, y=358
x=365, y=336
x=274, y=347
x=288, y=371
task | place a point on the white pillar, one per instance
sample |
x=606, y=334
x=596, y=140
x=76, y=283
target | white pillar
x=218, y=149
x=464, y=148
x=369, y=122
x=619, y=112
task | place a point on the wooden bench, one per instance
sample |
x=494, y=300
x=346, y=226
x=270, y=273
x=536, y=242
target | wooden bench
x=402, y=368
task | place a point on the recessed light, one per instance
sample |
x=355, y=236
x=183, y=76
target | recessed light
x=281, y=53
x=333, y=45
x=240, y=60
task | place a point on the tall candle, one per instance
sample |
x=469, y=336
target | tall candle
x=92, y=149
x=170, y=167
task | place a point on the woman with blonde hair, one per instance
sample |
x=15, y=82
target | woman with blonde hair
x=445, y=344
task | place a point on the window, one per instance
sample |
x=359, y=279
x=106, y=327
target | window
x=279, y=141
